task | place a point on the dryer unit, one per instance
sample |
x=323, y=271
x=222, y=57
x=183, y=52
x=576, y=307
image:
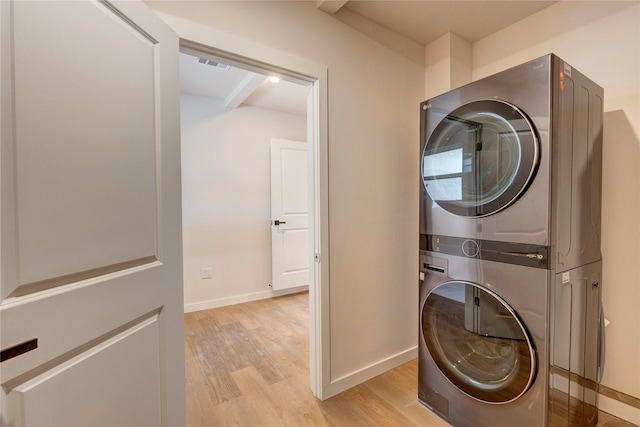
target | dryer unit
x=516, y=157
x=510, y=264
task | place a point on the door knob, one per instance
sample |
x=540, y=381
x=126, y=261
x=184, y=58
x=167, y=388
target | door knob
x=278, y=222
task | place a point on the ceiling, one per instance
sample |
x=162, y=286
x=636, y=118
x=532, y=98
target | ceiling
x=420, y=20
x=235, y=86
x=426, y=20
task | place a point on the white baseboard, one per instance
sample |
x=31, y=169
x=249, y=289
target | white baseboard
x=619, y=409
x=338, y=385
x=238, y=299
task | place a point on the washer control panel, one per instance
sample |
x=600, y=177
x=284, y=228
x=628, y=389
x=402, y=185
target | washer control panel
x=506, y=252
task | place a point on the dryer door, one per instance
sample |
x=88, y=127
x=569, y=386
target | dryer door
x=480, y=158
x=478, y=342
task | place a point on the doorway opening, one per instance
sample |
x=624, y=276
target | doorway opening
x=308, y=128
x=244, y=184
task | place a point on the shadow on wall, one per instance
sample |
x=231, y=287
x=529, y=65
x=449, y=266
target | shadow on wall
x=621, y=176
x=621, y=247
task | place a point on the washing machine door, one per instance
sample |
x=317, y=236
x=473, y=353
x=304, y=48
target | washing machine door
x=480, y=158
x=477, y=341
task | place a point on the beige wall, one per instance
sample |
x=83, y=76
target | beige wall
x=373, y=100
x=373, y=141
x=447, y=64
x=225, y=198
x=602, y=40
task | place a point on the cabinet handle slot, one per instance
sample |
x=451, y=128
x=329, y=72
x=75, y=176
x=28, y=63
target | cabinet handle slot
x=433, y=268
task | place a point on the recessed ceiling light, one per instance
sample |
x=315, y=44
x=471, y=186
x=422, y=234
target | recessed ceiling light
x=274, y=79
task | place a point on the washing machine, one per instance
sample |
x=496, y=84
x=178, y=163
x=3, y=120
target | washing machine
x=516, y=157
x=494, y=352
x=483, y=341
x=510, y=263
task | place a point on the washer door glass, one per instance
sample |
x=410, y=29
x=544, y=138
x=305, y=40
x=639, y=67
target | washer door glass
x=480, y=158
x=478, y=342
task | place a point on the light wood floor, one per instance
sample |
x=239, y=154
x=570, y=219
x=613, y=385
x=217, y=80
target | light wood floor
x=248, y=365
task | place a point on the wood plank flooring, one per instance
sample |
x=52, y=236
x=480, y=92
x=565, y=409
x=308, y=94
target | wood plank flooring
x=248, y=365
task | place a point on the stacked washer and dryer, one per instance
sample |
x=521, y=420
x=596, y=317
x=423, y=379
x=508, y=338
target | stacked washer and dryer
x=510, y=268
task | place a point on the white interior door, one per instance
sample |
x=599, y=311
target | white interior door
x=91, y=297
x=289, y=214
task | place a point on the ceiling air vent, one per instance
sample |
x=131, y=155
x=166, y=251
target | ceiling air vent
x=220, y=65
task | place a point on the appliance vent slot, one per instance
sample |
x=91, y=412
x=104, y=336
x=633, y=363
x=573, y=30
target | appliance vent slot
x=211, y=63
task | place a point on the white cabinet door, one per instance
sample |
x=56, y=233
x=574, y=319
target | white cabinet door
x=289, y=214
x=90, y=216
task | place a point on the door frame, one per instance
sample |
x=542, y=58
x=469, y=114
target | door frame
x=204, y=41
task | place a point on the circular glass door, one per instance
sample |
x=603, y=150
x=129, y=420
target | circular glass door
x=480, y=158
x=478, y=342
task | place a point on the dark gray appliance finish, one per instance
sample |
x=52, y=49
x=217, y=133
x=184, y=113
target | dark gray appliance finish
x=510, y=264
x=509, y=342
x=517, y=157
x=483, y=351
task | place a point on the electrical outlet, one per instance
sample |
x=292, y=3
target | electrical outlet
x=205, y=273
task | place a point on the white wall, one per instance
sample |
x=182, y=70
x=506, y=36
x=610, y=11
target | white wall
x=226, y=198
x=373, y=102
x=602, y=40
